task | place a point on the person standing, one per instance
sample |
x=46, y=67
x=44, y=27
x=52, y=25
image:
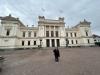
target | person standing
x=56, y=54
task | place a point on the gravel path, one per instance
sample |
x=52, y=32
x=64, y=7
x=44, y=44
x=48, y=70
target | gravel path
x=73, y=61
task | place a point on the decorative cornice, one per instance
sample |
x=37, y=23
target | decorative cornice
x=85, y=22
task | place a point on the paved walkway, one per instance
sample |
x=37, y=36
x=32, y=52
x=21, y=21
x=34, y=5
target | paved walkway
x=73, y=61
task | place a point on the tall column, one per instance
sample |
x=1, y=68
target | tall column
x=49, y=31
x=50, y=43
x=44, y=31
x=54, y=31
x=55, y=42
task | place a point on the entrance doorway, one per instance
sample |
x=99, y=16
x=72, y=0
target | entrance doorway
x=58, y=42
x=48, y=42
x=53, y=42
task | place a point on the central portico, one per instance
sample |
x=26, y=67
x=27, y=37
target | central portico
x=52, y=32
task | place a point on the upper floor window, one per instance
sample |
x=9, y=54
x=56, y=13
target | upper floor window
x=8, y=32
x=23, y=34
x=71, y=35
x=52, y=34
x=66, y=34
x=86, y=33
x=47, y=33
x=29, y=34
x=75, y=34
x=56, y=33
x=34, y=34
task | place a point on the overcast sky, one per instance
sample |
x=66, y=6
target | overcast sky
x=74, y=11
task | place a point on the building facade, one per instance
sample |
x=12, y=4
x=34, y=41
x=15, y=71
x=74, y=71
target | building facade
x=48, y=33
x=96, y=39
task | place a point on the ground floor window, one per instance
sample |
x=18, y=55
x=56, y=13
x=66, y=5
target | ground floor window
x=34, y=42
x=28, y=43
x=76, y=42
x=53, y=42
x=48, y=42
x=22, y=43
x=58, y=42
x=88, y=40
x=72, y=41
x=8, y=32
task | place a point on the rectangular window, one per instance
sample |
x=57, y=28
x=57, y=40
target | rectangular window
x=28, y=43
x=23, y=34
x=34, y=34
x=66, y=34
x=56, y=33
x=29, y=34
x=8, y=32
x=75, y=34
x=86, y=33
x=72, y=41
x=58, y=42
x=71, y=35
x=22, y=43
x=88, y=40
x=47, y=33
x=47, y=42
x=34, y=42
x=76, y=42
x=53, y=42
x=67, y=41
x=95, y=40
x=52, y=34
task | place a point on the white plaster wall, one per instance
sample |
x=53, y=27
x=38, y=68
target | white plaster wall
x=3, y=31
x=84, y=42
x=62, y=31
x=7, y=43
x=62, y=42
x=43, y=42
x=13, y=31
x=83, y=29
x=0, y=27
x=41, y=31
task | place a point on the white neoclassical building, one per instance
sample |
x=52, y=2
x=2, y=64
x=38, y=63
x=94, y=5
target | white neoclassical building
x=48, y=33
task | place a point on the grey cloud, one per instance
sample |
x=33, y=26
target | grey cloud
x=73, y=10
